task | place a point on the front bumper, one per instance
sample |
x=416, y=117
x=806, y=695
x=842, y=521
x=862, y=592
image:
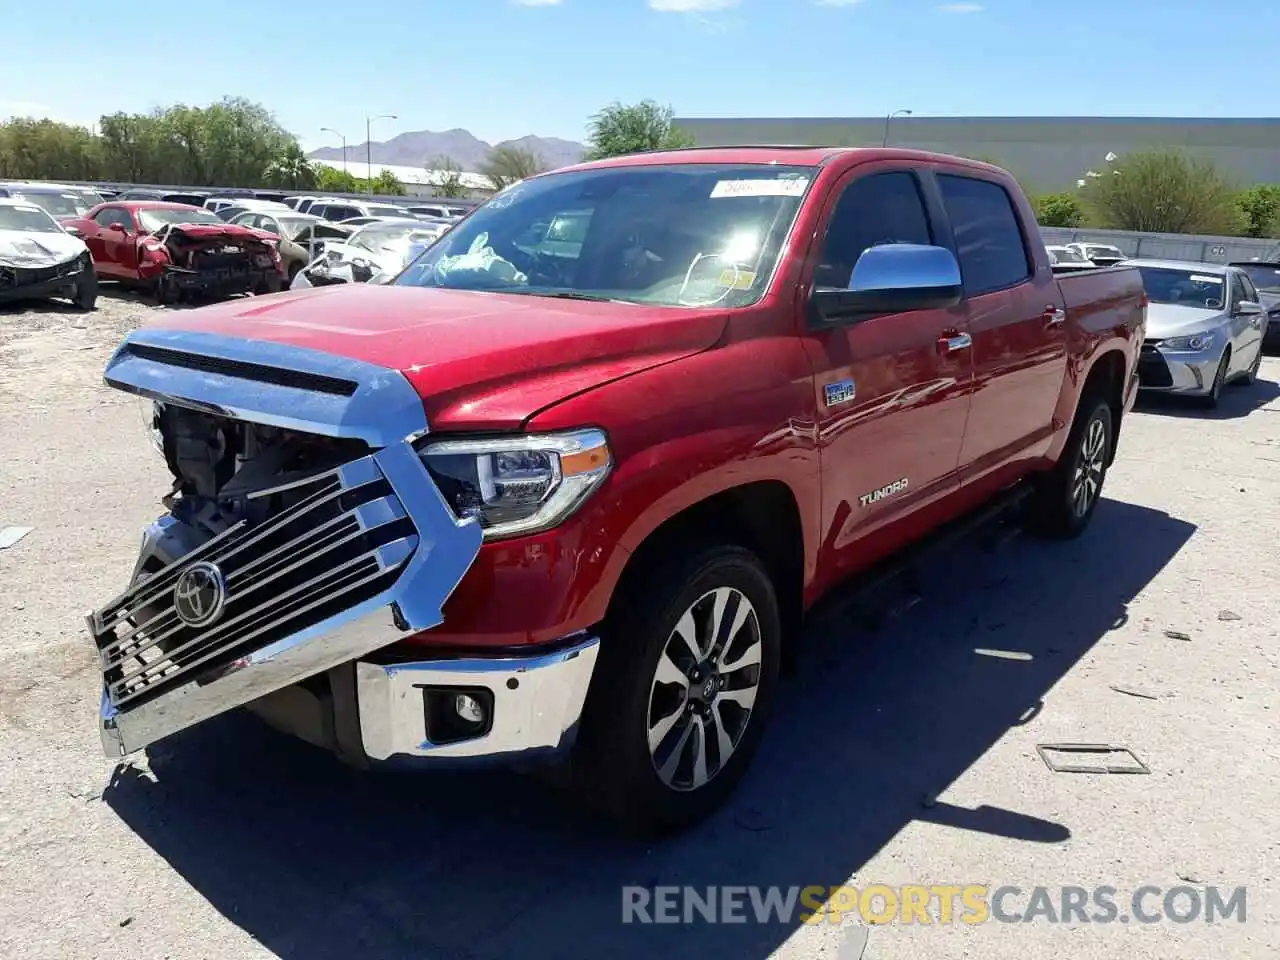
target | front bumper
x=1177, y=371
x=220, y=282
x=39, y=283
x=531, y=704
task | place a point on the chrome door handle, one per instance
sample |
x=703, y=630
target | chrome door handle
x=1054, y=316
x=961, y=342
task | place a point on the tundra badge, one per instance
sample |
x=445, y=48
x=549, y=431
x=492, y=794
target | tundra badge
x=842, y=391
x=887, y=490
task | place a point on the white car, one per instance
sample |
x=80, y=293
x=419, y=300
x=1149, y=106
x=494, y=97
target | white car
x=1102, y=254
x=40, y=260
x=375, y=253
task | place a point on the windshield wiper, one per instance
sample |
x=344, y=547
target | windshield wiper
x=568, y=295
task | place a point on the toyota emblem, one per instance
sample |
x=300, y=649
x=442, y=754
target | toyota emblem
x=199, y=594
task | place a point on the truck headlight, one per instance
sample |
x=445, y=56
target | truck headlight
x=1194, y=343
x=518, y=485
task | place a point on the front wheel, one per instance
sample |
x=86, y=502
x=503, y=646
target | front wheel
x=85, y=296
x=1212, y=398
x=684, y=685
x=1064, y=502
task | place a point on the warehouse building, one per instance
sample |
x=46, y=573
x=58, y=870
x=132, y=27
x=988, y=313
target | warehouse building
x=1045, y=153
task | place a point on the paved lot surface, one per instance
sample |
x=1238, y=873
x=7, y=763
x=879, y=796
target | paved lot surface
x=901, y=757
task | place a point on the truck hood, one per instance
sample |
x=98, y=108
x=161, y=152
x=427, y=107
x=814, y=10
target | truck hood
x=478, y=360
x=1166, y=320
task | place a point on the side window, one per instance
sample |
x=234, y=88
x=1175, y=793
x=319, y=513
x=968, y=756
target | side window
x=989, y=241
x=317, y=209
x=105, y=218
x=876, y=209
x=1237, y=290
x=1250, y=291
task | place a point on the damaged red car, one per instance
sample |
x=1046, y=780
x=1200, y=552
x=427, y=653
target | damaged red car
x=175, y=250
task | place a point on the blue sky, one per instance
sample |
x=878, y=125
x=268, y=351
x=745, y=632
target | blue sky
x=504, y=68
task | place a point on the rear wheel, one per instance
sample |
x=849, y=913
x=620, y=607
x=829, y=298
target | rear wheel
x=683, y=689
x=1066, y=497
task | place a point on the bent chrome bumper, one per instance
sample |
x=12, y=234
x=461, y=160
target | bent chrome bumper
x=531, y=705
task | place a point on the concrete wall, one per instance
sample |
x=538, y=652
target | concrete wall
x=1044, y=153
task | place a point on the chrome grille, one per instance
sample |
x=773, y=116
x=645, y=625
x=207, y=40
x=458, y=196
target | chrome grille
x=342, y=539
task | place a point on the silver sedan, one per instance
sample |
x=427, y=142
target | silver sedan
x=1204, y=328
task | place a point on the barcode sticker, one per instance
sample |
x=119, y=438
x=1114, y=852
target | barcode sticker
x=791, y=187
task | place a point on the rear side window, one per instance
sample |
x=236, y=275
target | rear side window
x=988, y=240
x=880, y=208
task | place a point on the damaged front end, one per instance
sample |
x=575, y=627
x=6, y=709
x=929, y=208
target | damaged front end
x=210, y=261
x=303, y=531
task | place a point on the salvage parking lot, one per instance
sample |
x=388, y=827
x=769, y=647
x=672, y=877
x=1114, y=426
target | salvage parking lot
x=904, y=756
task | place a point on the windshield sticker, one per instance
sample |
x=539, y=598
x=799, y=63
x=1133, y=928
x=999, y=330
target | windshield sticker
x=1200, y=278
x=759, y=188
x=737, y=279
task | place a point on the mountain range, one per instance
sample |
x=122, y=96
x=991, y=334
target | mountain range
x=419, y=148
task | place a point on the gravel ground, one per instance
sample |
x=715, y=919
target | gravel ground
x=899, y=757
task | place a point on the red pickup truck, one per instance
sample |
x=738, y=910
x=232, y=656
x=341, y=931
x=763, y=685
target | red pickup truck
x=567, y=486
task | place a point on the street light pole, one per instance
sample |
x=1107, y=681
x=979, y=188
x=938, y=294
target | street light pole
x=344, y=147
x=368, y=145
x=905, y=113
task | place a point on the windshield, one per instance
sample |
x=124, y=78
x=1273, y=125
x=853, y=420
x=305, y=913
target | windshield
x=384, y=237
x=1264, y=276
x=27, y=219
x=153, y=218
x=1184, y=287
x=676, y=235
x=56, y=204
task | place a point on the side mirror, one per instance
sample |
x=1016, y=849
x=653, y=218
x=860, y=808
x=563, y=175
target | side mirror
x=895, y=278
x=1247, y=308
x=117, y=227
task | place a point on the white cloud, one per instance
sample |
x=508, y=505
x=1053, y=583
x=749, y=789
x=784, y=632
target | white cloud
x=961, y=8
x=691, y=6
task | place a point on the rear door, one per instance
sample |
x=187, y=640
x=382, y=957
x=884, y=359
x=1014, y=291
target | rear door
x=1248, y=328
x=891, y=396
x=1017, y=320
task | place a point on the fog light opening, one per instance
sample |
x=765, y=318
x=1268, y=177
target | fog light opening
x=468, y=709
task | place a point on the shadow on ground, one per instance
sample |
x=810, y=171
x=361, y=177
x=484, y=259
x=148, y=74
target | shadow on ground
x=316, y=861
x=1238, y=400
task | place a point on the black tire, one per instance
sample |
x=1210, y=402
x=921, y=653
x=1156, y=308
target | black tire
x=85, y=296
x=1210, y=400
x=615, y=769
x=1054, y=511
x=1250, y=376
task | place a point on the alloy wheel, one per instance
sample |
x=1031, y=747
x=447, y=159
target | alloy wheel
x=704, y=689
x=1086, y=484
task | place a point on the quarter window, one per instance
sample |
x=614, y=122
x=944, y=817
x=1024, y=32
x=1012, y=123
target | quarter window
x=989, y=242
x=876, y=209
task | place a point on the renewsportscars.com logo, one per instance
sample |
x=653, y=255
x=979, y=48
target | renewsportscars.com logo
x=935, y=903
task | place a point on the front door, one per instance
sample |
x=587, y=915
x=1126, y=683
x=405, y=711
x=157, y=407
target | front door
x=1017, y=319
x=892, y=390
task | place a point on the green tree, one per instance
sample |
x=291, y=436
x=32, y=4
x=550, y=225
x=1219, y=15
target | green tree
x=1163, y=191
x=291, y=170
x=1260, y=207
x=387, y=184
x=332, y=180
x=1059, y=210
x=620, y=129
x=446, y=178
x=507, y=164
